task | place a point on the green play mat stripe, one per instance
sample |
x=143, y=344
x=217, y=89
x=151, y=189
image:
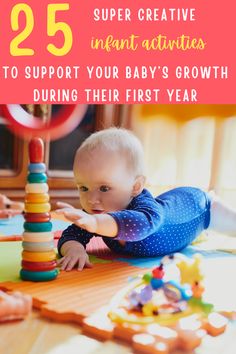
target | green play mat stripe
x=10, y=261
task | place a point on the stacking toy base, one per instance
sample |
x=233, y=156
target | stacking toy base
x=38, y=276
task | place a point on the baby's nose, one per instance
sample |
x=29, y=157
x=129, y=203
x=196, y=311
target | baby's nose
x=93, y=198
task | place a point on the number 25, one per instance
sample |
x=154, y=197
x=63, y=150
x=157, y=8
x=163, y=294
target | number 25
x=52, y=28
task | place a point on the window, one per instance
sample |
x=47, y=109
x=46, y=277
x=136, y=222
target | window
x=62, y=151
x=59, y=154
x=189, y=145
x=6, y=148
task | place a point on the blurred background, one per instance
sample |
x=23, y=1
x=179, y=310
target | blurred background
x=184, y=145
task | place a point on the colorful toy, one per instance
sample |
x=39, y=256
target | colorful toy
x=38, y=245
x=14, y=306
x=25, y=125
x=158, y=314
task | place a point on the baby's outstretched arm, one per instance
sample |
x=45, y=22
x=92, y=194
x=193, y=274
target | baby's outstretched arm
x=101, y=224
x=73, y=253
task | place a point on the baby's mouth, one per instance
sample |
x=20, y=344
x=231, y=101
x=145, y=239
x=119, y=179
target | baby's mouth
x=97, y=211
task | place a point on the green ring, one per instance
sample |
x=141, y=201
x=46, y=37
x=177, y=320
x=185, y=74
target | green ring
x=38, y=276
x=38, y=226
x=37, y=178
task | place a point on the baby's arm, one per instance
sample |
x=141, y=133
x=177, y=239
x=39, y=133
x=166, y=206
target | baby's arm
x=101, y=224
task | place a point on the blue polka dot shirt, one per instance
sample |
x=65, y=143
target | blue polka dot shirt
x=153, y=226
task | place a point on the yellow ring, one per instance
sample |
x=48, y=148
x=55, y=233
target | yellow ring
x=37, y=208
x=36, y=188
x=37, y=198
x=38, y=256
x=37, y=236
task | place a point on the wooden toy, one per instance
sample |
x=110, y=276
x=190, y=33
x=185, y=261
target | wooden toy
x=14, y=306
x=38, y=245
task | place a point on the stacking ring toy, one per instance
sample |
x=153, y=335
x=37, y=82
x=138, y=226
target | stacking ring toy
x=37, y=198
x=37, y=236
x=37, y=167
x=38, y=226
x=38, y=256
x=36, y=188
x=38, y=266
x=37, y=178
x=36, y=150
x=37, y=217
x=37, y=208
x=38, y=246
x=25, y=125
x=38, y=276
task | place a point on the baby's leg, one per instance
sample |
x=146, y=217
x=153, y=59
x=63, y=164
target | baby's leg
x=223, y=217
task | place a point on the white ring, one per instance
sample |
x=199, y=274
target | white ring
x=36, y=188
x=37, y=236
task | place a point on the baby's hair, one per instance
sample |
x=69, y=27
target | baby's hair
x=117, y=140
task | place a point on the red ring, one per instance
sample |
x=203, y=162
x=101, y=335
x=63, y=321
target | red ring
x=25, y=125
x=37, y=217
x=37, y=266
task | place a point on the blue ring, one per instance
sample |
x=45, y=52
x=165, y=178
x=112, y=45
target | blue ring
x=37, y=167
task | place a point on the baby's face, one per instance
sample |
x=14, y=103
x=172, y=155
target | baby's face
x=104, y=180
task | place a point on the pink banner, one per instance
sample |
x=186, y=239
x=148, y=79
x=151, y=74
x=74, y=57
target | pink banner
x=106, y=51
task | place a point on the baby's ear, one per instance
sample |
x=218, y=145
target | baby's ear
x=138, y=185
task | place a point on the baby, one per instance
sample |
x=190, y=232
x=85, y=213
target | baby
x=109, y=173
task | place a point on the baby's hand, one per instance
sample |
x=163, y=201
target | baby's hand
x=62, y=205
x=74, y=253
x=80, y=218
x=8, y=213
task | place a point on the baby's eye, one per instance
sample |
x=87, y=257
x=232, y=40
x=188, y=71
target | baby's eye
x=83, y=189
x=104, y=188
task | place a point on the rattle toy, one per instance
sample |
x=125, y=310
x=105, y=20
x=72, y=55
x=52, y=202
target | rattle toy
x=14, y=306
x=38, y=256
x=161, y=311
x=25, y=125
